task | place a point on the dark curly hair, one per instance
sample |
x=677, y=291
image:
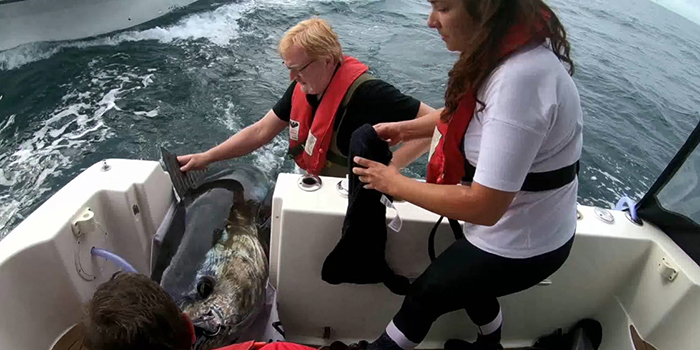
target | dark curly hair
x=491, y=21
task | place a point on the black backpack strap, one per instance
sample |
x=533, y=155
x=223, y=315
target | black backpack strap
x=537, y=182
x=336, y=158
x=334, y=155
x=293, y=152
x=456, y=230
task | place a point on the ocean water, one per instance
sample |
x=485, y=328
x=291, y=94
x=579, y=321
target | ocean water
x=189, y=80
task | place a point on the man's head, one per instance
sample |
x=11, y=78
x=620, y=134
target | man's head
x=311, y=51
x=133, y=312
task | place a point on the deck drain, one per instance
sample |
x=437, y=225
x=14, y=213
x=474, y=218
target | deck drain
x=310, y=183
x=343, y=186
x=637, y=222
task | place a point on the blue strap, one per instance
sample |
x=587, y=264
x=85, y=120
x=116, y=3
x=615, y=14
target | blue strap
x=627, y=203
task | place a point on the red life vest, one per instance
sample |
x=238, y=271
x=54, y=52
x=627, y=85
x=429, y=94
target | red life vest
x=315, y=132
x=447, y=163
x=252, y=345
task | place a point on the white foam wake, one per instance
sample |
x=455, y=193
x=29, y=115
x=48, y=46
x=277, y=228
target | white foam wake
x=219, y=27
x=74, y=127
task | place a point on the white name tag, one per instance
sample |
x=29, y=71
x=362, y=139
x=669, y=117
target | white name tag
x=294, y=130
x=310, y=144
x=433, y=144
x=396, y=223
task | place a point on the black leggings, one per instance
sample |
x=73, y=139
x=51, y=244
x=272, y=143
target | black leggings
x=466, y=277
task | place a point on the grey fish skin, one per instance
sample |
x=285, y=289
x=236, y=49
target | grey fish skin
x=219, y=272
x=238, y=264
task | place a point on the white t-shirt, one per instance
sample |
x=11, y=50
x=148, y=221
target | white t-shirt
x=532, y=122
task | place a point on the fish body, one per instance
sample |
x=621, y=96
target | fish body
x=216, y=267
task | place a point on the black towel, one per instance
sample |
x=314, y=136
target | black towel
x=359, y=255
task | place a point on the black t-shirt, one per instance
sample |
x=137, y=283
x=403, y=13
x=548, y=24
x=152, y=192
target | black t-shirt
x=374, y=101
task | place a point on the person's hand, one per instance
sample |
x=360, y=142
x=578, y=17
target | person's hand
x=197, y=161
x=390, y=132
x=377, y=176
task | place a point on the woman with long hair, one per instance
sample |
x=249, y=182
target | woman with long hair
x=505, y=162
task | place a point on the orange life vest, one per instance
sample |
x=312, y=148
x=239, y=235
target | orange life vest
x=315, y=132
x=447, y=163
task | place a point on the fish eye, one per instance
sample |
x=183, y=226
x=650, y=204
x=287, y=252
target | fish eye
x=205, y=286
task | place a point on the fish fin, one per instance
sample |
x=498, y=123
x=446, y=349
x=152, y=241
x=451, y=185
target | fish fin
x=182, y=182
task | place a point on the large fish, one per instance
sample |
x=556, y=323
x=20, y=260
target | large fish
x=213, y=259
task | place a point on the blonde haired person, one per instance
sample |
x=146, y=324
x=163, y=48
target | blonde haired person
x=331, y=95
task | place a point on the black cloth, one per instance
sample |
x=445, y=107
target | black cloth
x=359, y=255
x=374, y=101
x=586, y=334
x=466, y=277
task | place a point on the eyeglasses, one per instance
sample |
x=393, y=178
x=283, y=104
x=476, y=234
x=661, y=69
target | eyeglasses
x=298, y=71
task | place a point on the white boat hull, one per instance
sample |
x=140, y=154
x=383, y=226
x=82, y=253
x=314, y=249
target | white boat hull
x=611, y=275
x=26, y=21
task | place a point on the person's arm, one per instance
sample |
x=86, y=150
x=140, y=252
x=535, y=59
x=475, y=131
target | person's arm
x=419, y=128
x=476, y=204
x=415, y=148
x=506, y=153
x=513, y=131
x=240, y=144
x=250, y=138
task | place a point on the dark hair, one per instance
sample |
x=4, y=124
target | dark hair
x=133, y=312
x=491, y=21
